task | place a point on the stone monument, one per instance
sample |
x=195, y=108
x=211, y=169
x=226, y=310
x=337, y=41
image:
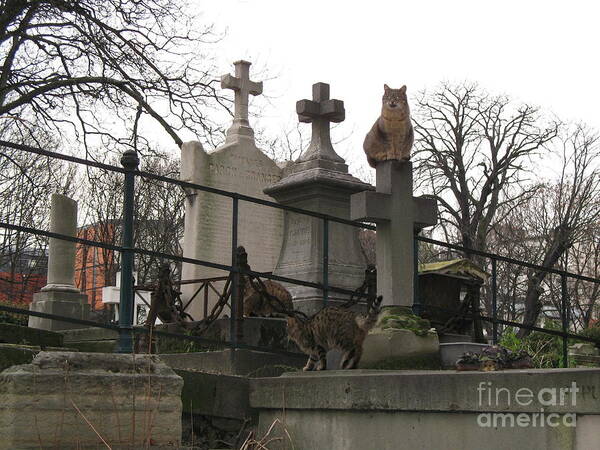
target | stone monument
x=398, y=215
x=238, y=166
x=60, y=296
x=319, y=181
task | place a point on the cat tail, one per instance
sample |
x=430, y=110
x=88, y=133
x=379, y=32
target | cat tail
x=366, y=322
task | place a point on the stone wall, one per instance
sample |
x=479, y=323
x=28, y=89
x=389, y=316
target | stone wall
x=433, y=409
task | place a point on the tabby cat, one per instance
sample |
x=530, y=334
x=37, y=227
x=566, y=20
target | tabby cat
x=392, y=135
x=256, y=304
x=329, y=329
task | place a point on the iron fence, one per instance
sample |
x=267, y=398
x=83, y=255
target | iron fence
x=127, y=250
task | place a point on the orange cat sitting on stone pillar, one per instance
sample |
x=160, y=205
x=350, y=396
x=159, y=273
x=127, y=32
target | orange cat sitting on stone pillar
x=392, y=136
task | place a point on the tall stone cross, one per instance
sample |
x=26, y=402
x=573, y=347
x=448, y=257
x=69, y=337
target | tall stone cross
x=243, y=87
x=320, y=111
x=398, y=215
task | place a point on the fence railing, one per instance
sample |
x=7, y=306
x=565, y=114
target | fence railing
x=127, y=250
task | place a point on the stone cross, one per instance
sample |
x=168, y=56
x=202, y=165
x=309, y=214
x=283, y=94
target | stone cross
x=398, y=215
x=320, y=111
x=243, y=87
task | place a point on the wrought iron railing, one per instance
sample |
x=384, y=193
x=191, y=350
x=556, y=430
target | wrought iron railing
x=127, y=250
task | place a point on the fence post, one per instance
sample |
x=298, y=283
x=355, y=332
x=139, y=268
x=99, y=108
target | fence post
x=564, y=314
x=235, y=281
x=494, y=303
x=417, y=307
x=130, y=162
x=325, y=261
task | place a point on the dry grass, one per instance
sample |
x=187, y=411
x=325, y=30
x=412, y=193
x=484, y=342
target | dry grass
x=271, y=437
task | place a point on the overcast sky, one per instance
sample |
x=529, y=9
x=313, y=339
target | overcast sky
x=541, y=52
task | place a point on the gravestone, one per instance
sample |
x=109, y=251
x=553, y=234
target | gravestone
x=398, y=215
x=60, y=296
x=319, y=181
x=238, y=166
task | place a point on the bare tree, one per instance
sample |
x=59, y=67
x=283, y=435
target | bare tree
x=158, y=217
x=26, y=182
x=94, y=69
x=472, y=152
x=564, y=213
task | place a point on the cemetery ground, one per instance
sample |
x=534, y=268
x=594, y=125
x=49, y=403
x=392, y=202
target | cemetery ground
x=261, y=247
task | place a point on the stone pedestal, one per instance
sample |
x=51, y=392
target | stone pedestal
x=70, y=400
x=61, y=303
x=325, y=191
x=60, y=296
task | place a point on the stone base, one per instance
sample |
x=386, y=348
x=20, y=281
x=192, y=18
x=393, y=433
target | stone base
x=400, y=349
x=57, y=399
x=442, y=410
x=69, y=304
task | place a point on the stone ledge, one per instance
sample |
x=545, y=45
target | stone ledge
x=434, y=391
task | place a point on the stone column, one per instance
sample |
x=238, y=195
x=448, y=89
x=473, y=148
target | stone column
x=60, y=296
x=61, y=254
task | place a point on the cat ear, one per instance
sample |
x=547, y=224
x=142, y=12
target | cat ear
x=386, y=87
x=403, y=89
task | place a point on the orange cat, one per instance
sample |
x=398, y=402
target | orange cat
x=392, y=135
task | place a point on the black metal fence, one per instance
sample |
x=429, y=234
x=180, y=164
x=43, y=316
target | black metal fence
x=127, y=250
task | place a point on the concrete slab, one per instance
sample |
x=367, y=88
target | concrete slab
x=557, y=409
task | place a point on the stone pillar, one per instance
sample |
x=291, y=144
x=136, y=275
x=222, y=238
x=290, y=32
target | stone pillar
x=60, y=296
x=319, y=181
x=61, y=254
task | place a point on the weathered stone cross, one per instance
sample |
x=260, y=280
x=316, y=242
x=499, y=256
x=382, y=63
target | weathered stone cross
x=397, y=214
x=320, y=111
x=243, y=87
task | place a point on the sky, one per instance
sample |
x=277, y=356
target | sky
x=540, y=52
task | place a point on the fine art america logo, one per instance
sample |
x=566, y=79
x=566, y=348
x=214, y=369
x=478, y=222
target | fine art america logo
x=490, y=396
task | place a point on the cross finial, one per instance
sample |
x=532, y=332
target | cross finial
x=243, y=87
x=320, y=111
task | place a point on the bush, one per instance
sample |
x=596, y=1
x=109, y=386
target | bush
x=545, y=349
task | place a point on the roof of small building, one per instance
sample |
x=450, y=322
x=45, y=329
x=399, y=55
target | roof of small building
x=455, y=267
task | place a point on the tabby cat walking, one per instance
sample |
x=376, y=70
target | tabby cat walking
x=333, y=328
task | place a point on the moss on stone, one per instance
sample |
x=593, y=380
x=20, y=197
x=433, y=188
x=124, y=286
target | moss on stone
x=398, y=317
